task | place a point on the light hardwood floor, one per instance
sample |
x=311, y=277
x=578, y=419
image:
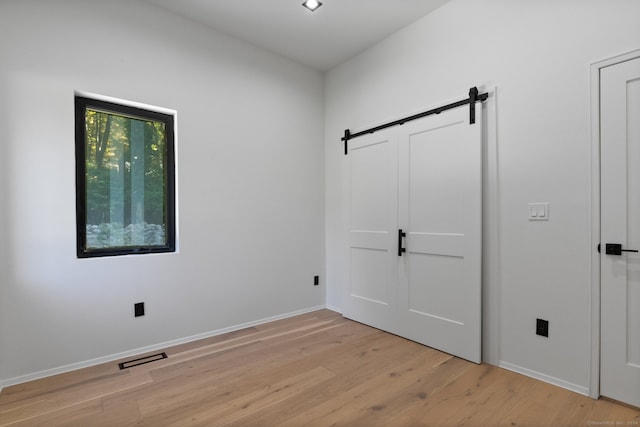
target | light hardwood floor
x=317, y=369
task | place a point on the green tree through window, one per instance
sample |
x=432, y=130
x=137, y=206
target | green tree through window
x=124, y=179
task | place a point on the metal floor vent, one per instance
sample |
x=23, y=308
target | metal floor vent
x=142, y=360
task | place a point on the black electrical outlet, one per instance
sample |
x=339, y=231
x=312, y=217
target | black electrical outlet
x=316, y=280
x=542, y=327
x=138, y=309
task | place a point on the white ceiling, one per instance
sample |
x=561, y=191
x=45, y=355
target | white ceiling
x=322, y=39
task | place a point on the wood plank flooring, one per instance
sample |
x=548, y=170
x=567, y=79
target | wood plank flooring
x=317, y=369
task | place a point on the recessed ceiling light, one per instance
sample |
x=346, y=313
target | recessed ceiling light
x=312, y=4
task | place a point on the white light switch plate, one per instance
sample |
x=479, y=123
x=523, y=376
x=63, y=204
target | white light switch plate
x=539, y=211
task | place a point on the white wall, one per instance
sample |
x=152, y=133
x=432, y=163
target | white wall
x=537, y=54
x=250, y=182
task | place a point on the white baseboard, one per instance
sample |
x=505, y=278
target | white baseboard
x=110, y=358
x=332, y=308
x=546, y=378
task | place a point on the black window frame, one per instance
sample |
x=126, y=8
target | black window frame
x=82, y=103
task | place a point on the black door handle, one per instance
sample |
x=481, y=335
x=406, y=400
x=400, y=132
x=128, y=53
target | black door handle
x=616, y=249
x=401, y=234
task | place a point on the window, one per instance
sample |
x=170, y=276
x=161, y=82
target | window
x=125, y=201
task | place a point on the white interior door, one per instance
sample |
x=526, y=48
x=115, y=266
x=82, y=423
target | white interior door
x=620, y=224
x=441, y=209
x=372, y=175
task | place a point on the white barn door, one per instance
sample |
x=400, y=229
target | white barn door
x=432, y=289
x=441, y=208
x=372, y=185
